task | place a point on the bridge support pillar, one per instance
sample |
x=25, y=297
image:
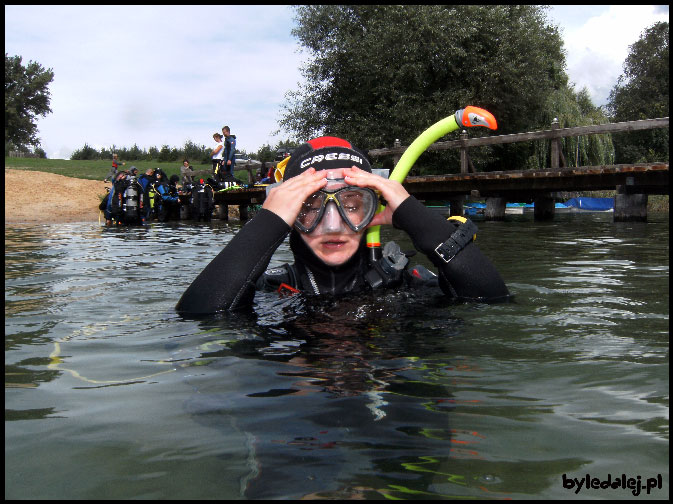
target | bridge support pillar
x=495, y=208
x=544, y=208
x=222, y=212
x=629, y=207
x=243, y=212
x=456, y=206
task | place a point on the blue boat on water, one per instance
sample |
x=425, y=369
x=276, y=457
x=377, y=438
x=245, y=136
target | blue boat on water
x=591, y=204
x=581, y=204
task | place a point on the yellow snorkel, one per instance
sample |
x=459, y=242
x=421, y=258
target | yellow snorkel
x=469, y=116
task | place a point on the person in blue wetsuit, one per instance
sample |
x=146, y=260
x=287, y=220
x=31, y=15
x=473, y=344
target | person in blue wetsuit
x=229, y=156
x=114, y=208
x=326, y=201
x=166, y=201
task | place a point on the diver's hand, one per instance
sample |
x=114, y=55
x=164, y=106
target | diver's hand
x=392, y=191
x=286, y=199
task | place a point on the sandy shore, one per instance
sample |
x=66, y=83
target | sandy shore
x=35, y=197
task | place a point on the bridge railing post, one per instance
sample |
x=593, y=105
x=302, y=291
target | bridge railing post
x=463, y=153
x=555, y=145
x=396, y=157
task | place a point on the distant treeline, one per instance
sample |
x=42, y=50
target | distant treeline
x=194, y=153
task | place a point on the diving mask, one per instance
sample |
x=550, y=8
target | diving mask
x=356, y=206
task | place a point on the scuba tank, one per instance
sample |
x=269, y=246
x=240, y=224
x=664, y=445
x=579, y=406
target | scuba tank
x=131, y=201
x=202, y=201
x=207, y=203
x=195, y=199
x=152, y=198
x=116, y=200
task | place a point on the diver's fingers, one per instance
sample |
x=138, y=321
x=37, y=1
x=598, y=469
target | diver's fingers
x=382, y=218
x=392, y=191
x=286, y=199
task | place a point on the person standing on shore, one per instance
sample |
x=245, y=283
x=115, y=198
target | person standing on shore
x=112, y=174
x=216, y=155
x=186, y=171
x=229, y=158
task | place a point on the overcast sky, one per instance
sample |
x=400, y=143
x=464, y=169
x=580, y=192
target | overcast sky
x=162, y=75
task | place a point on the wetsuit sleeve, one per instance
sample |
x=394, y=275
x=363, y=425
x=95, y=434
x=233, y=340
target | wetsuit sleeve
x=470, y=274
x=231, y=155
x=228, y=282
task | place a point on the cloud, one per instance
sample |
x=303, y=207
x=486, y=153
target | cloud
x=598, y=47
x=157, y=75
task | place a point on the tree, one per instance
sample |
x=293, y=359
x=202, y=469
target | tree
x=26, y=97
x=571, y=109
x=194, y=153
x=641, y=92
x=265, y=153
x=165, y=153
x=381, y=72
x=85, y=153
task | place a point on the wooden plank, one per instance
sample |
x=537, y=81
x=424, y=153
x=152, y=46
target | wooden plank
x=521, y=185
x=595, y=129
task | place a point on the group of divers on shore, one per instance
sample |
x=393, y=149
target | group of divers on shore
x=137, y=200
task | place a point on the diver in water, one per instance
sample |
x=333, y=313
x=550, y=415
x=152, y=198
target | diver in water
x=327, y=199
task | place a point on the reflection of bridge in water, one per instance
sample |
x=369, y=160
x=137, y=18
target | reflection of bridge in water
x=632, y=182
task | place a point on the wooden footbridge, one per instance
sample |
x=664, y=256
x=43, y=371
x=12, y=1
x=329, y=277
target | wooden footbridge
x=632, y=182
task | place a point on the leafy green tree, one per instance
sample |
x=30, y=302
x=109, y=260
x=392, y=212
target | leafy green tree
x=265, y=153
x=642, y=93
x=195, y=153
x=26, y=97
x=165, y=153
x=133, y=154
x=571, y=109
x=382, y=72
x=268, y=153
x=85, y=153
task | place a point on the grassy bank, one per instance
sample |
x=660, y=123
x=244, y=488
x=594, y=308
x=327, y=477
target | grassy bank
x=98, y=170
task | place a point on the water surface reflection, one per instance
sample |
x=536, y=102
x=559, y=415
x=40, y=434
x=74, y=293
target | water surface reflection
x=110, y=394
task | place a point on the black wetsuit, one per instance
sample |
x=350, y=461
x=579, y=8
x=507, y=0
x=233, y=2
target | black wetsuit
x=238, y=271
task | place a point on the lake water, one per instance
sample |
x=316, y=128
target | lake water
x=110, y=394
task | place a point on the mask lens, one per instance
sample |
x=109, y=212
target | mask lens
x=311, y=211
x=357, y=206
